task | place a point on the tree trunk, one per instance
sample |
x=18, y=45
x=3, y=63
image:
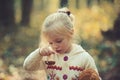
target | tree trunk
x=7, y=18
x=26, y=11
x=77, y=4
x=93, y=2
x=113, y=34
x=63, y=3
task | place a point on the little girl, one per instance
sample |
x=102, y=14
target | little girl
x=58, y=55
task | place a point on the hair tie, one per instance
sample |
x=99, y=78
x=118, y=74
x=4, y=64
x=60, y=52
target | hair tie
x=68, y=13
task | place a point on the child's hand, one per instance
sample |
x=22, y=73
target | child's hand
x=46, y=51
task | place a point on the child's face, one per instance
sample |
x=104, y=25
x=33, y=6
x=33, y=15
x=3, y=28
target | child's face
x=58, y=43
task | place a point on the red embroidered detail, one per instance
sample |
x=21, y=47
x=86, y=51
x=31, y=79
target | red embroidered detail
x=76, y=68
x=54, y=67
x=71, y=67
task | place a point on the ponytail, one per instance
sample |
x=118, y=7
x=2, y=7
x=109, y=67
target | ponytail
x=67, y=11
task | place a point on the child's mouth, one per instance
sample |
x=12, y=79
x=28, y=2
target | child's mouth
x=58, y=51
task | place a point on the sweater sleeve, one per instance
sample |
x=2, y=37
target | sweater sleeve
x=33, y=61
x=90, y=63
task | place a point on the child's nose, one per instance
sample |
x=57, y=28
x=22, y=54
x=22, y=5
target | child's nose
x=55, y=46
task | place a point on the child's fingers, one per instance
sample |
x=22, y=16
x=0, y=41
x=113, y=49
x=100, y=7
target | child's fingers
x=50, y=52
x=46, y=52
x=43, y=52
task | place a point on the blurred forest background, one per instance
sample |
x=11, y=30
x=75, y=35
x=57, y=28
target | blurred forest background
x=97, y=29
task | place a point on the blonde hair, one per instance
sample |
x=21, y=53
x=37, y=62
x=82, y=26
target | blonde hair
x=60, y=23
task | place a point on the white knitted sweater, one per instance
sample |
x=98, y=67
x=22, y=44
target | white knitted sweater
x=67, y=66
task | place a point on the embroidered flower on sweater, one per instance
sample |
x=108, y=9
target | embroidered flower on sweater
x=52, y=76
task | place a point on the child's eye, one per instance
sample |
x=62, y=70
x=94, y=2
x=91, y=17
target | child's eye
x=59, y=41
